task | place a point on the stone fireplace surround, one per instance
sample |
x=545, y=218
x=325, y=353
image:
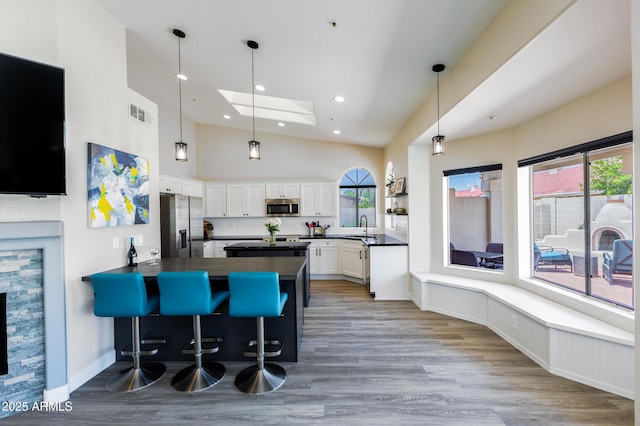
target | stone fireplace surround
x=46, y=236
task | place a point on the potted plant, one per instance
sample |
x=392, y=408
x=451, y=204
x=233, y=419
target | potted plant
x=390, y=184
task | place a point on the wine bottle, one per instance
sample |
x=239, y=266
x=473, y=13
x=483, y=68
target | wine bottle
x=132, y=255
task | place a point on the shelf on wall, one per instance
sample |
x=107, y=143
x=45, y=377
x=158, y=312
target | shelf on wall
x=403, y=194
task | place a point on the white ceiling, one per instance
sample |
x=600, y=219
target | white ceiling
x=378, y=56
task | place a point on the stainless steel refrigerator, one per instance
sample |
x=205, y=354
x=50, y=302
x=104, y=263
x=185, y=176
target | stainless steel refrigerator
x=181, y=227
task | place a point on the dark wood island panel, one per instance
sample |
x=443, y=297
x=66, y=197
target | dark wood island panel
x=236, y=332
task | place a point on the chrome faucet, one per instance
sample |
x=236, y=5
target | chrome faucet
x=366, y=225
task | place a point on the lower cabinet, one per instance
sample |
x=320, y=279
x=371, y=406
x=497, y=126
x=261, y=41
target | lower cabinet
x=323, y=256
x=219, y=247
x=354, y=259
x=208, y=249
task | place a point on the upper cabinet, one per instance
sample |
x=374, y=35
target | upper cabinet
x=245, y=199
x=180, y=185
x=192, y=187
x=282, y=190
x=318, y=199
x=170, y=184
x=216, y=200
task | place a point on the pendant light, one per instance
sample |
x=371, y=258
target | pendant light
x=181, y=147
x=254, y=145
x=438, y=140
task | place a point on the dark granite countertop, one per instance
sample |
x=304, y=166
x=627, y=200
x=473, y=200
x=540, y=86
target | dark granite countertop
x=378, y=240
x=279, y=245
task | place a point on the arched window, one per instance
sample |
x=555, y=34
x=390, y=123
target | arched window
x=357, y=198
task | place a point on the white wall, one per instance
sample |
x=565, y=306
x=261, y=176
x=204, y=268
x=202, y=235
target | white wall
x=223, y=155
x=81, y=37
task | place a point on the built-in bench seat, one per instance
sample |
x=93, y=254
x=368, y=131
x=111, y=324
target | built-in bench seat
x=560, y=339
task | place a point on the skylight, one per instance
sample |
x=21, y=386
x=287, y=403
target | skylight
x=271, y=108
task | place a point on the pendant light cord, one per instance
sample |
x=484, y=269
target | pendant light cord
x=253, y=99
x=180, y=86
x=438, y=84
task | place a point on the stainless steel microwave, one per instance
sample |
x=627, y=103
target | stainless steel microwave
x=281, y=207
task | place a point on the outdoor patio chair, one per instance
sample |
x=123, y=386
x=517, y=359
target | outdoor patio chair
x=552, y=256
x=463, y=257
x=620, y=262
x=498, y=262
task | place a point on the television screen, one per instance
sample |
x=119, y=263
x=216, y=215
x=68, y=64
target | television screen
x=32, y=114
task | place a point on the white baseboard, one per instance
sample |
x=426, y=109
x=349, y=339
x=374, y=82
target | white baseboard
x=59, y=394
x=92, y=370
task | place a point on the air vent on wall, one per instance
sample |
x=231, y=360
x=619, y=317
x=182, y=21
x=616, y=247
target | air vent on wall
x=138, y=114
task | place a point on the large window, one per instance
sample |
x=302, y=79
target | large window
x=582, y=218
x=475, y=216
x=357, y=199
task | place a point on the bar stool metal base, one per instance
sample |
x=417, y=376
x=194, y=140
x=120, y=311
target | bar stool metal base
x=194, y=379
x=131, y=379
x=253, y=380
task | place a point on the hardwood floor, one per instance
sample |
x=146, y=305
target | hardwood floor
x=365, y=362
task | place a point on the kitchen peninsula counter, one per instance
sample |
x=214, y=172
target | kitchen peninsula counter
x=279, y=249
x=236, y=332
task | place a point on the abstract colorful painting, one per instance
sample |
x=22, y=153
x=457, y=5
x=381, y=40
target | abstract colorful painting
x=118, y=187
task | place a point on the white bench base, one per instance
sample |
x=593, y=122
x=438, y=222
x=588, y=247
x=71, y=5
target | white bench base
x=563, y=341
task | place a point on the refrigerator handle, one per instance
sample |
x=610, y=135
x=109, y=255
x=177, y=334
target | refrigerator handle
x=183, y=238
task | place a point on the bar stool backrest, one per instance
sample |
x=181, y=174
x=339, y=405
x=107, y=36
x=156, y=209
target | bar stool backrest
x=255, y=294
x=185, y=293
x=121, y=295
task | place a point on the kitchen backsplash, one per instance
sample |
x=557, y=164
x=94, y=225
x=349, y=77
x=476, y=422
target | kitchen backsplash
x=290, y=226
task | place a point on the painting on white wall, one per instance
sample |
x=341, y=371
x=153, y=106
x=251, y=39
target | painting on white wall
x=118, y=187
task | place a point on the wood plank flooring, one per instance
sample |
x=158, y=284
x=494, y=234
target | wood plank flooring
x=365, y=362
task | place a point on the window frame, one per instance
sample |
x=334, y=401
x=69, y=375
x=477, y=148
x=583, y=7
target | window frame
x=371, y=222
x=584, y=150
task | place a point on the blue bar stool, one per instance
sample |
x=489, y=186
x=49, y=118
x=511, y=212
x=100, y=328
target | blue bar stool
x=257, y=294
x=125, y=295
x=189, y=293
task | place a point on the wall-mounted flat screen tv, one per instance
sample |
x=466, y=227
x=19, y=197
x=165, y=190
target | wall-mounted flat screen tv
x=32, y=114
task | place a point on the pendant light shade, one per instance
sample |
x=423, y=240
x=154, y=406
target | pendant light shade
x=254, y=150
x=181, y=151
x=181, y=147
x=438, y=140
x=254, y=145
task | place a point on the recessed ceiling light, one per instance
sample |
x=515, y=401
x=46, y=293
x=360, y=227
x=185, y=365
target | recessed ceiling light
x=226, y=117
x=281, y=124
x=182, y=77
x=260, y=88
x=336, y=132
x=338, y=98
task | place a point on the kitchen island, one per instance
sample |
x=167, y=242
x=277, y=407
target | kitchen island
x=279, y=249
x=235, y=332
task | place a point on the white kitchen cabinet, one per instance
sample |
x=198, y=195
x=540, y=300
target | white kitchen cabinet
x=245, y=199
x=192, y=187
x=173, y=184
x=208, y=249
x=353, y=258
x=170, y=184
x=318, y=199
x=282, y=190
x=216, y=200
x=323, y=256
x=220, y=245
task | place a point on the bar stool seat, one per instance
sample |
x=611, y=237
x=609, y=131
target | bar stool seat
x=257, y=294
x=189, y=293
x=125, y=295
